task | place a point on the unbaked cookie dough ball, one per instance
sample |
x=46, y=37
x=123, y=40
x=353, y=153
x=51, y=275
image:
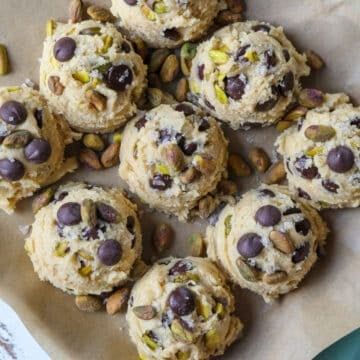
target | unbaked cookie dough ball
x=322, y=154
x=247, y=73
x=267, y=242
x=165, y=23
x=182, y=309
x=32, y=143
x=90, y=73
x=86, y=240
x=172, y=156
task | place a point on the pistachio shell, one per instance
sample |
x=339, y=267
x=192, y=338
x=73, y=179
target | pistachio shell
x=246, y=271
x=82, y=76
x=180, y=333
x=220, y=94
x=146, y=312
x=219, y=57
x=61, y=248
x=228, y=226
x=320, y=133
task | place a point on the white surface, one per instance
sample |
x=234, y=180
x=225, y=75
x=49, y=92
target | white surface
x=16, y=343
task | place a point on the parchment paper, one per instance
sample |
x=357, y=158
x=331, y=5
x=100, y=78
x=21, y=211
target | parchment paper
x=297, y=327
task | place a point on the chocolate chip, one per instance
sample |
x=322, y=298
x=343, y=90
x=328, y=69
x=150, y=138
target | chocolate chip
x=302, y=166
x=291, y=211
x=268, y=215
x=268, y=104
x=286, y=55
x=130, y=224
x=204, y=125
x=355, y=122
x=249, y=245
x=172, y=34
x=261, y=27
x=200, y=71
x=107, y=213
x=38, y=114
x=109, y=252
x=161, y=182
x=187, y=148
x=37, y=151
x=286, y=84
x=90, y=233
x=11, y=170
x=303, y=194
x=69, y=214
x=235, y=86
x=185, y=108
x=241, y=52
x=303, y=227
x=208, y=104
x=330, y=186
x=181, y=267
x=267, y=192
x=270, y=58
x=182, y=301
x=131, y=2
x=64, y=49
x=301, y=253
x=164, y=135
x=118, y=77
x=141, y=123
x=125, y=47
x=13, y=112
x=340, y=159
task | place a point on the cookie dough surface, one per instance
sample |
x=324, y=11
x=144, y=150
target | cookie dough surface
x=322, y=154
x=90, y=73
x=182, y=309
x=32, y=142
x=86, y=240
x=166, y=23
x=172, y=156
x=267, y=242
x=247, y=74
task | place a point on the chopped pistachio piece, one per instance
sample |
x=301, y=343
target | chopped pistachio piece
x=228, y=226
x=160, y=7
x=148, y=13
x=61, y=248
x=85, y=270
x=220, y=94
x=212, y=339
x=183, y=278
x=162, y=169
x=82, y=76
x=204, y=310
x=251, y=56
x=220, y=310
x=246, y=271
x=314, y=151
x=50, y=27
x=108, y=41
x=150, y=342
x=219, y=57
x=180, y=333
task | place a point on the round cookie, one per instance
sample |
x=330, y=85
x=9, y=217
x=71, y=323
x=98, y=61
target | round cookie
x=90, y=73
x=247, y=74
x=32, y=143
x=86, y=240
x=322, y=154
x=165, y=23
x=182, y=309
x=267, y=242
x=172, y=156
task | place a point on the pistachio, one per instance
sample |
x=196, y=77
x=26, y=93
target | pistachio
x=205, y=165
x=251, y=56
x=99, y=13
x=139, y=269
x=187, y=53
x=227, y=187
x=197, y=245
x=170, y=69
x=110, y=157
x=97, y=101
x=155, y=96
x=181, y=333
x=236, y=6
x=117, y=137
x=220, y=94
x=238, y=165
x=85, y=255
x=162, y=237
x=181, y=90
x=145, y=312
x=317, y=150
x=82, y=76
x=311, y=98
x=42, y=199
x=117, y=301
x=154, y=80
x=319, y=133
x=55, y=86
x=204, y=310
x=162, y=169
x=108, y=42
x=157, y=59
x=75, y=11
x=220, y=310
x=17, y=139
x=92, y=31
x=259, y=159
x=296, y=114
x=160, y=7
x=283, y=125
x=168, y=99
x=226, y=17
x=212, y=340
x=246, y=271
x=88, y=212
x=85, y=270
x=148, y=13
x=184, y=278
x=88, y=303
x=149, y=340
x=281, y=242
x=89, y=158
x=227, y=225
x=218, y=57
x=50, y=27
x=93, y=142
x=275, y=278
x=194, y=87
x=314, y=60
x=206, y=206
x=173, y=156
x=140, y=47
x=181, y=355
x=275, y=174
x=61, y=248
x=4, y=60
x=189, y=175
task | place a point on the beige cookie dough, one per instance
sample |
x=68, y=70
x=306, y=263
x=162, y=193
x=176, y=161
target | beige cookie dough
x=86, y=240
x=182, y=309
x=322, y=154
x=90, y=73
x=165, y=23
x=267, y=242
x=172, y=156
x=247, y=73
x=32, y=143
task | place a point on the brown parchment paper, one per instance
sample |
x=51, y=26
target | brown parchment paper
x=297, y=327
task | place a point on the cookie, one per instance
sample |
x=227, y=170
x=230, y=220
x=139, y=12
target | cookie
x=172, y=156
x=247, y=73
x=166, y=23
x=182, y=309
x=32, y=143
x=90, y=73
x=322, y=154
x=267, y=242
x=86, y=240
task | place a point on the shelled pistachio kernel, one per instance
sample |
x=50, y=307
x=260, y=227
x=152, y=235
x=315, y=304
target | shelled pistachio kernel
x=238, y=165
x=197, y=245
x=157, y=59
x=117, y=301
x=4, y=60
x=220, y=94
x=110, y=157
x=275, y=174
x=162, y=237
x=218, y=57
x=93, y=142
x=187, y=53
x=43, y=199
x=99, y=13
x=88, y=303
x=50, y=27
x=148, y=13
x=170, y=69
